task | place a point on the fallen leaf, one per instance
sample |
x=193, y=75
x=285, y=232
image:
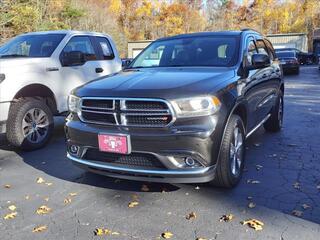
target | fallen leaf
x=191, y=216
x=10, y=216
x=145, y=188
x=254, y=223
x=39, y=228
x=12, y=207
x=107, y=231
x=251, y=205
x=133, y=204
x=306, y=206
x=226, y=218
x=27, y=197
x=98, y=232
x=7, y=186
x=200, y=238
x=297, y=213
x=296, y=185
x=43, y=210
x=253, y=181
x=166, y=235
x=258, y=167
x=46, y=199
x=67, y=200
x=40, y=180
x=115, y=233
x=73, y=194
x=48, y=183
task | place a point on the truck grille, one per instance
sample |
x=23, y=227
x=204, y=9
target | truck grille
x=126, y=112
x=139, y=160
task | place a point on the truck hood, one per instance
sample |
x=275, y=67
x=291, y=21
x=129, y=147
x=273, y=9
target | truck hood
x=22, y=65
x=165, y=83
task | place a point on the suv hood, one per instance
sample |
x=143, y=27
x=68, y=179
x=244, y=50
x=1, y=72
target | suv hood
x=165, y=83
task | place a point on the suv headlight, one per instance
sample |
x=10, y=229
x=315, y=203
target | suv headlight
x=195, y=107
x=73, y=104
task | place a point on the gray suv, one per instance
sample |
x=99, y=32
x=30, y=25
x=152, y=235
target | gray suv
x=181, y=111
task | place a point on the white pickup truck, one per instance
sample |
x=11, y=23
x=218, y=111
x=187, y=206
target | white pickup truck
x=37, y=72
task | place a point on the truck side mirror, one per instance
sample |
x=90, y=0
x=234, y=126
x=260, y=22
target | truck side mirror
x=126, y=62
x=260, y=61
x=72, y=58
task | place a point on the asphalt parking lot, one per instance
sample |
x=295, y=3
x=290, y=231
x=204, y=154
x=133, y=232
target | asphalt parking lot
x=281, y=184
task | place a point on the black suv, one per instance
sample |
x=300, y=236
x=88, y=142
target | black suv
x=181, y=111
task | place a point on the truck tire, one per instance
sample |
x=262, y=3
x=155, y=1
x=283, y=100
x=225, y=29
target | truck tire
x=274, y=123
x=232, y=152
x=30, y=123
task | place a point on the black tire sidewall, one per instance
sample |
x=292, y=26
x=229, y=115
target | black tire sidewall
x=224, y=176
x=17, y=112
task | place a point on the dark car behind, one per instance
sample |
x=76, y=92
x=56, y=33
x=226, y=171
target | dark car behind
x=289, y=61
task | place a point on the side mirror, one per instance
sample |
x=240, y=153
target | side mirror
x=260, y=61
x=126, y=62
x=73, y=58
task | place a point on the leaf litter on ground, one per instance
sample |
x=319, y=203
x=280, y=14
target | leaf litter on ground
x=254, y=223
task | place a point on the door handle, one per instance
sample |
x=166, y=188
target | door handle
x=99, y=70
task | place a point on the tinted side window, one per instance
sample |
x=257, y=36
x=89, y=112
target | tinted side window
x=251, y=50
x=270, y=49
x=81, y=44
x=105, y=47
x=262, y=48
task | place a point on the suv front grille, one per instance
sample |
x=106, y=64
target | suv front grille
x=126, y=112
x=138, y=160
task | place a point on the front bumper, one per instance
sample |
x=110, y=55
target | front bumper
x=170, y=146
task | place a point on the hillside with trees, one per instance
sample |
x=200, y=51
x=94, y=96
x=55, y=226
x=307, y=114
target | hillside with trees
x=129, y=20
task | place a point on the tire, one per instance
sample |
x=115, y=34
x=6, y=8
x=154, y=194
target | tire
x=275, y=122
x=30, y=124
x=230, y=166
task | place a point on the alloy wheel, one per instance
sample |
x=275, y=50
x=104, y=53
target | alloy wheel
x=236, y=151
x=35, y=125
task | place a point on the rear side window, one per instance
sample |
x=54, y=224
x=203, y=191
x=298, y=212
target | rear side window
x=81, y=44
x=105, y=47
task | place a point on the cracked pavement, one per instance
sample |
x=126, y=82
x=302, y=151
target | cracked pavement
x=287, y=165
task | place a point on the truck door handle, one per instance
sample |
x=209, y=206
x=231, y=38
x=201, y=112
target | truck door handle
x=99, y=70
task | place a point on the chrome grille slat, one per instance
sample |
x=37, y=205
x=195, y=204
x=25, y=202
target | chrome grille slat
x=136, y=112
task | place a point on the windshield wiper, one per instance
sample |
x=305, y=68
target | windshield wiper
x=13, y=56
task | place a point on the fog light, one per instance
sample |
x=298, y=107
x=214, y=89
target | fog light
x=74, y=149
x=189, y=161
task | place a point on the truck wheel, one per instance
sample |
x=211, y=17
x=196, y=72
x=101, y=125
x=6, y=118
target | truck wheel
x=231, y=158
x=30, y=124
x=274, y=123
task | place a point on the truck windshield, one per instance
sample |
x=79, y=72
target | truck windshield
x=41, y=45
x=211, y=51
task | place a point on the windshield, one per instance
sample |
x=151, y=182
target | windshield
x=215, y=51
x=41, y=45
x=285, y=54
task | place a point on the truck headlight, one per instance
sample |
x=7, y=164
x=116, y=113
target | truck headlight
x=73, y=104
x=195, y=107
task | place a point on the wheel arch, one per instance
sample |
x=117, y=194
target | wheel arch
x=39, y=90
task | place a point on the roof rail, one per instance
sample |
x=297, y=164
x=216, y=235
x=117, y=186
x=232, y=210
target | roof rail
x=249, y=29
